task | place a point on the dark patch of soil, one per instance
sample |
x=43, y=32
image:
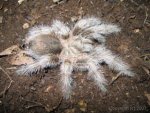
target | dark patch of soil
x=28, y=94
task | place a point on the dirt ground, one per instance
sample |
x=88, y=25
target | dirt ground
x=41, y=93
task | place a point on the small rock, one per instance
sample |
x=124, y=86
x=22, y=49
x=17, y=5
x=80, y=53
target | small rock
x=1, y=19
x=33, y=88
x=136, y=30
x=20, y=1
x=74, y=19
x=25, y=26
x=127, y=94
x=116, y=98
x=56, y=1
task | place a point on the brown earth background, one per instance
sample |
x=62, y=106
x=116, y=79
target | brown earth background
x=41, y=93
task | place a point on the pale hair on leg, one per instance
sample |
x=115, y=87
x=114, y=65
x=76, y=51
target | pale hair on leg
x=97, y=75
x=93, y=28
x=66, y=80
x=60, y=28
x=114, y=62
x=41, y=63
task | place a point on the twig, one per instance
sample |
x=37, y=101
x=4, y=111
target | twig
x=6, y=88
x=146, y=15
x=135, y=3
x=29, y=107
x=145, y=55
x=57, y=106
x=37, y=104
x=146, y=70
x=79, y=1
x=114, y=79
x=31, y=101
x=1, y=5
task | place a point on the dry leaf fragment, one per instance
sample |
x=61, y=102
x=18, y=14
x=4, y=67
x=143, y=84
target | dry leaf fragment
x=48, y=89
x=11, y=50
x=146, y=70
x=148, y=97
x=136, y=30
x=21, y=59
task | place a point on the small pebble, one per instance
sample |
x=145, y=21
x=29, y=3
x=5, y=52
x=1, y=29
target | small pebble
x=1, y=19
x=33, y=88
x=136, y=30
x=74, y=19
x=25, y=26
x=20, y=1
x=56, y=1
x=0, y=102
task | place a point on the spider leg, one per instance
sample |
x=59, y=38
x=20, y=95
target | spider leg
x=59, y=28
x=114, y=62
x=93, y=28
x=39, y=64
x=84, y=24
x=66, y=69
x=97, y=75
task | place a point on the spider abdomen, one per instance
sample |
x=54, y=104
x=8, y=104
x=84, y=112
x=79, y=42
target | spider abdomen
x=45, y=44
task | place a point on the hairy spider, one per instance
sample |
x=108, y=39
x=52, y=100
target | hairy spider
x=80, y=48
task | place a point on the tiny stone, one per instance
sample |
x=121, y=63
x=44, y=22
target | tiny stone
x=20, y=1
x=33, y=88
x=1, y=19
x=56, y=1
x=136, y=30
x=25, y=25
x=74, y=19
x=5, y=10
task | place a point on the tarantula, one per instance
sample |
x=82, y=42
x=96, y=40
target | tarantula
x=80, y=48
